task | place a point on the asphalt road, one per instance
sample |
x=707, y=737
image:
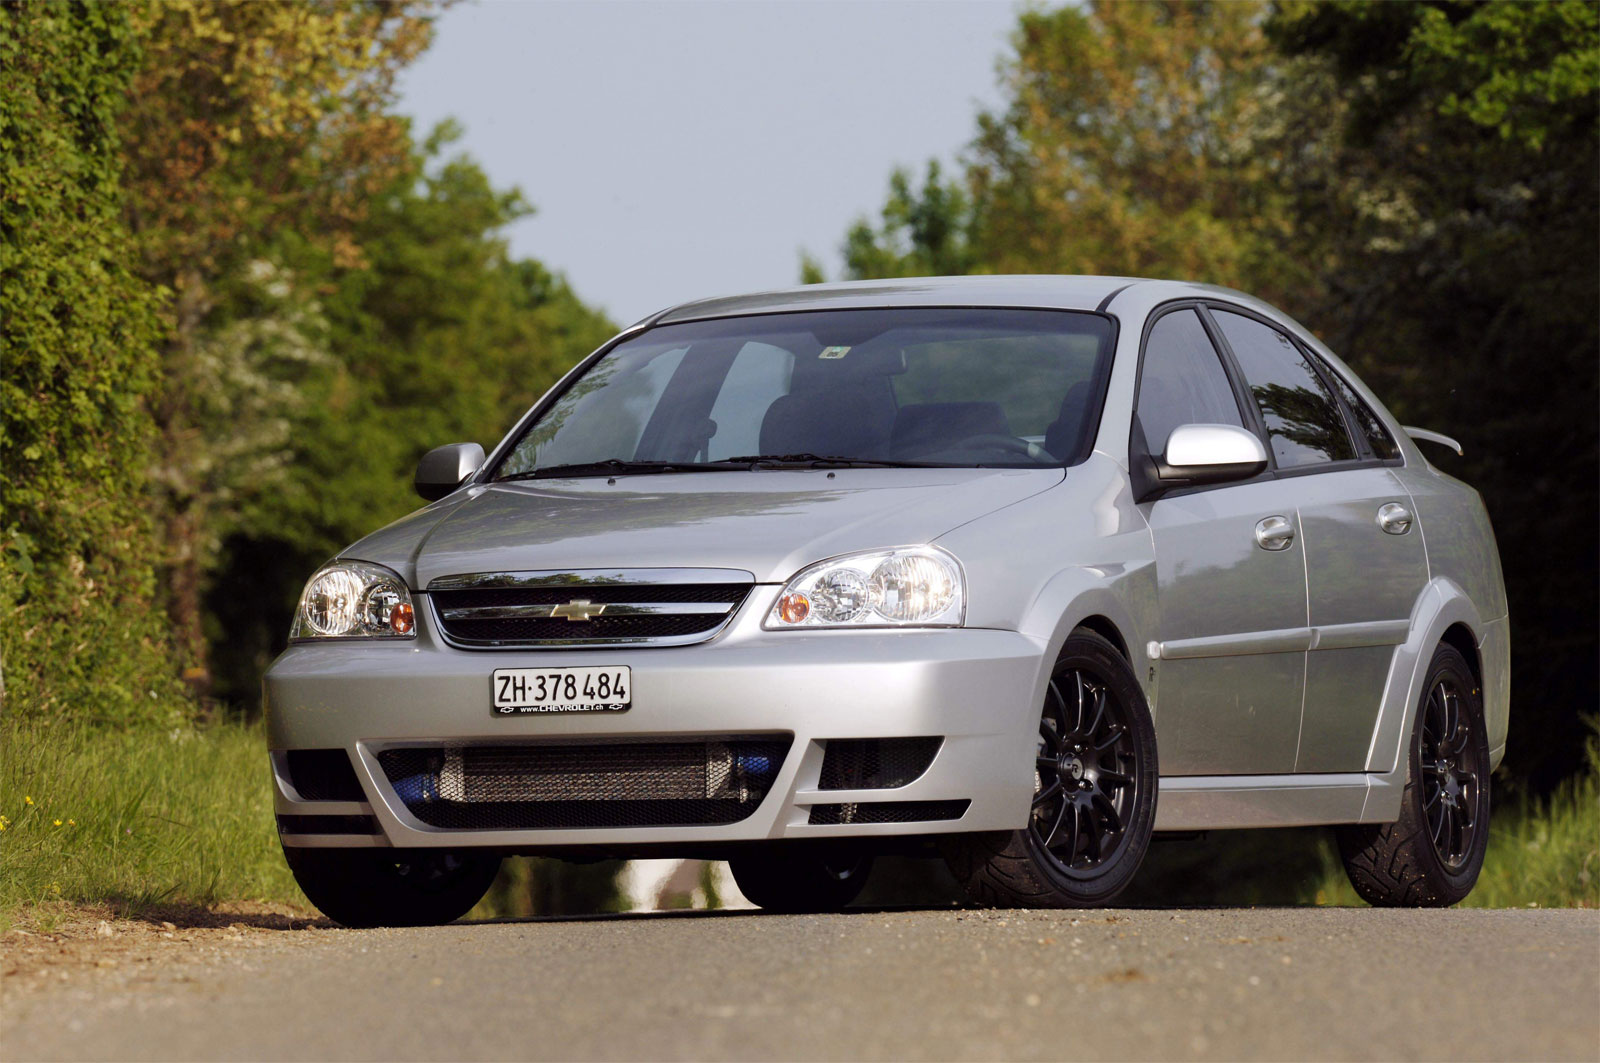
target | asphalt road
x=1209, y=984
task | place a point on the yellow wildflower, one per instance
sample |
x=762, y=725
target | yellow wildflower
x=27, y=800
x=58, y=823
x=72, y=823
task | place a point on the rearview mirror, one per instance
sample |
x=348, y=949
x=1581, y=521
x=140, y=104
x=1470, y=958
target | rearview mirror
x=1209, y=454
x=442, y=469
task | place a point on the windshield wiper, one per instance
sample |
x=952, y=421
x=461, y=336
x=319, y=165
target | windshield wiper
x=818, y=461
x=615, y=466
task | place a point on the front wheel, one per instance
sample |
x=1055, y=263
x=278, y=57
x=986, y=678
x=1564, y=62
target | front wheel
x=1094, y=793
x=789, y=877
x=389, y=887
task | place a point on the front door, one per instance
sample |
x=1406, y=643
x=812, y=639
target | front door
x=1230, y=582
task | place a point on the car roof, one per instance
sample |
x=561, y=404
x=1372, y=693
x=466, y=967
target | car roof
x=1044, y=291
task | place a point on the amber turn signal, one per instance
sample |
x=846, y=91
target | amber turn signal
x=794, y=608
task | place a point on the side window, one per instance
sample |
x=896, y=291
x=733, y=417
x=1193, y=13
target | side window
x=758, y=377
x=1367, y=422
x=1303, y=420
x=1183, y=381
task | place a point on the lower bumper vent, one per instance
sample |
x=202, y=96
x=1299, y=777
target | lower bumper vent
x=573, y=787
x=875, y=763
x=323, y=775
x=889, y=812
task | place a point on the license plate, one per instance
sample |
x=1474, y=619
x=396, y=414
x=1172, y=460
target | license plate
x=527, y=690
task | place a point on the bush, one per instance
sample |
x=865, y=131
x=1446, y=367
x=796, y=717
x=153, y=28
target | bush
x=80, y=630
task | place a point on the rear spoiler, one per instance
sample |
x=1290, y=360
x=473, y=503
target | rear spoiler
x=1422, y=435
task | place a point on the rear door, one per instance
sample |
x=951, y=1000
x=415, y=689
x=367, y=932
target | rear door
x=1365, y=562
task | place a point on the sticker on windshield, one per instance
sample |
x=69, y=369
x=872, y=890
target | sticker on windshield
x=834, y=352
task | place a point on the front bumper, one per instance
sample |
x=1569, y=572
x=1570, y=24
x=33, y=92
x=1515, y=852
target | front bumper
x=979, y=689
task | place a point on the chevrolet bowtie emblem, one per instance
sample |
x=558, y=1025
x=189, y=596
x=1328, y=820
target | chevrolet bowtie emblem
x=581, y=609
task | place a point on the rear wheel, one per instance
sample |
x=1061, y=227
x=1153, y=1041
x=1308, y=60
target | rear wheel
x=801, y=877
x=388, y=887
x=1094, y=796
x=1431, y=855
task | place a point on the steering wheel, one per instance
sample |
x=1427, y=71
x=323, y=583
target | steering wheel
x=1011, y=444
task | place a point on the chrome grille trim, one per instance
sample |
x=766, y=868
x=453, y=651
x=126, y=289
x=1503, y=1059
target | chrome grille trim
x=588, y=578
x=583, y=605
x=497, y=612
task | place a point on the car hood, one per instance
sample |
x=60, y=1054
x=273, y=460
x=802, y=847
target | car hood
x=769, y=523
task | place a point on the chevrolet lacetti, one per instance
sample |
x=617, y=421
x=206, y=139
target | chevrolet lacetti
x=1020, y=570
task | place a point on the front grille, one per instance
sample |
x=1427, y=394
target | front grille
x=565, y=786
x=488, y=611
x=888, y=812
x=324, y=775
x=875, y=763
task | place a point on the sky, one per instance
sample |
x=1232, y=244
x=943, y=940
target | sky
x=677, y=150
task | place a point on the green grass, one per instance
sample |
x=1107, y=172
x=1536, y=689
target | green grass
x=1542, y=854
x=135, y=817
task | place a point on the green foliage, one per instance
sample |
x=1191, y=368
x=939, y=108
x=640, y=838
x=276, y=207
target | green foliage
x=146, y=815
x=78, y=627
x=1452, y=204
x=439, y=337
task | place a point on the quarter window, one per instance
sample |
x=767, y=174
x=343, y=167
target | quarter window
x=1303, y=420
x=1183, y=381
x=1367, y=422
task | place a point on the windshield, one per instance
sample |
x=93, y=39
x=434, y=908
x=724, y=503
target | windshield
x=957, y=387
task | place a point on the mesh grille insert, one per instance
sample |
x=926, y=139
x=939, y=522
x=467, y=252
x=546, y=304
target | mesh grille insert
x=564, y=786
x=875, y=763
x=324, y=775
x=889, y=812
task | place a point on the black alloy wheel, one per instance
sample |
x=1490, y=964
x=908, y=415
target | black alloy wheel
x=1085, y=781
x=1094, y=793
x=392, y=887
x=1450, y=774
x=1431, y=854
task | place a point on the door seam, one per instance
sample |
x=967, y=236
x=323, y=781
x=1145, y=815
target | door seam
x=1305, y=658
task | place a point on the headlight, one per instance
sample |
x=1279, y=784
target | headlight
x=917, y=586
x=353, y=599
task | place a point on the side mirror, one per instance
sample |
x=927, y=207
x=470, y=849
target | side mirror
x=442, y=469
x=1210, y=454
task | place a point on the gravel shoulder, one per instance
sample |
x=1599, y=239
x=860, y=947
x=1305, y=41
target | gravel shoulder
x=874, y=984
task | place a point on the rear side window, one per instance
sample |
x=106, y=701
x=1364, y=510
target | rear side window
x=1183, y=381
x=1367, y=422
x=1303, y=420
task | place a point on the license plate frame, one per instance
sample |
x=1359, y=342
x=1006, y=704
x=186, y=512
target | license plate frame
x=545, y=691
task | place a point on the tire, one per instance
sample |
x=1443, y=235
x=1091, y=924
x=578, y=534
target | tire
x=801, y=877
x=1430, y=857
x=1107, y=799
x=389, y=887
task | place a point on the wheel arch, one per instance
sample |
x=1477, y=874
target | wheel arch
x=1443, y=615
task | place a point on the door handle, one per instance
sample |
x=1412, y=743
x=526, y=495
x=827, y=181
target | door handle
x=1274, y=533
x=1394, y=518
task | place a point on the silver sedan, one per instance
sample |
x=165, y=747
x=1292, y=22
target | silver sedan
x=1023, y=569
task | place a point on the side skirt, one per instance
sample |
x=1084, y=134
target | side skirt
x=1226, y=802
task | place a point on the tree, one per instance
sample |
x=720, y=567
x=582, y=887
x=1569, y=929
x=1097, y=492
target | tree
x=439, y=336
x=1131, y=142
x=244, y=121
x=1454, y=205
x=79, y=625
